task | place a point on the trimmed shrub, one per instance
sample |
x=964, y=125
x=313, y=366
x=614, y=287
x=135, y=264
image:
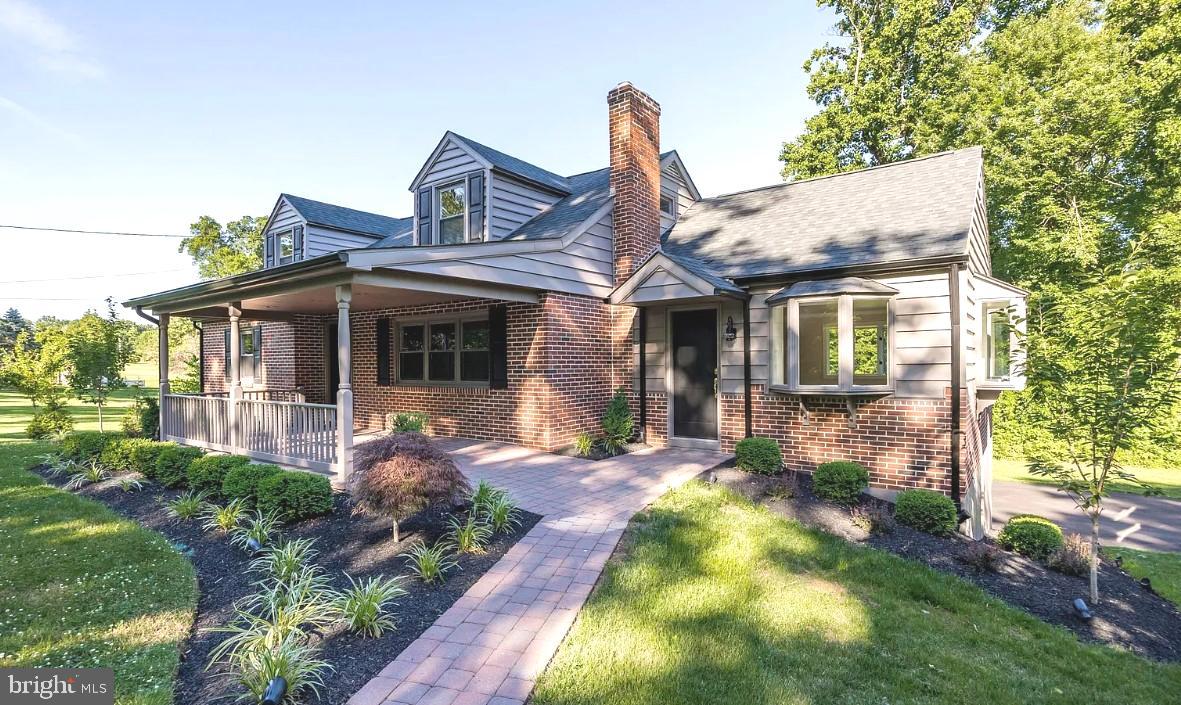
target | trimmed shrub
x=840, y=481
x=119, y=455
x=241, y=482
x=404, y=473
x=145, y=453
x=295, y=495
x=172, y=465
x=926, y=510
x=618, y=424
x=406, y=421
x=142, y=420
x=207, y=473
x=761, y=455
x=85, y=446
x=49, y=421
x=1031, y=536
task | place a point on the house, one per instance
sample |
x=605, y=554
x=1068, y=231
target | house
x=850, y=317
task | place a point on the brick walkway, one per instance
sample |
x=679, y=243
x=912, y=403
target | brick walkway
x=494, y=642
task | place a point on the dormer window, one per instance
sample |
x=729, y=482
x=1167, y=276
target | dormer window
x=668, y=206
x=286, y=248
x=451, y=202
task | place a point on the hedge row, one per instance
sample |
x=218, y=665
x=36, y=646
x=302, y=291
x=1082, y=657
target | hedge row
x=293, y=494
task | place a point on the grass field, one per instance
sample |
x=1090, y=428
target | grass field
x=1163, y=569
x=1167, y=480
x=718, y=601
x=16, y=412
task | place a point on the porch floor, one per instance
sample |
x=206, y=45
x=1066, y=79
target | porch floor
x=495, y=640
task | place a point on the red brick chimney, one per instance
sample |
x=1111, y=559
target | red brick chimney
x=635, y=176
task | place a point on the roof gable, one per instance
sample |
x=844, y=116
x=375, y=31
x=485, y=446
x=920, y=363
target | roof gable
x=489, y=158
x=665, y=277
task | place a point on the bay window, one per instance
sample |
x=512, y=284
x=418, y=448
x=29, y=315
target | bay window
x=832, y=337
x=998, y=333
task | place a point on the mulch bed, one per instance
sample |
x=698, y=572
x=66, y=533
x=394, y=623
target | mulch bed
x=360, y=545
x=1128, y=616
x=598, y=453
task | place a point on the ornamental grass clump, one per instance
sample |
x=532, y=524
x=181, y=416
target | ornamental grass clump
x=224, y=519
x=469, y=535
x=364, y=606
x=430, y=563
x=404, y=473
x=260, y=527
x=91, y=473
x=185, y=507
x=284, y=561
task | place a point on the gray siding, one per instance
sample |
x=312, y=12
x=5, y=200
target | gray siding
x=673, y=184
x=451, y=163
x=514, y=202
x=979, y=256
x=283, y=220
x=321, y=241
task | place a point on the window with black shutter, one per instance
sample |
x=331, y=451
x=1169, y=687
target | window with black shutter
x=297, y=231
x=424, y=217
x=442, y=351
x=498, y=346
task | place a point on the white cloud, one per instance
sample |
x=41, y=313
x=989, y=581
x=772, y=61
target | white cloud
x=31, y=118
x=52, y=44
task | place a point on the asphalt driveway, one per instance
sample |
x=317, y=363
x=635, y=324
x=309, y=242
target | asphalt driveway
x=1132, y=521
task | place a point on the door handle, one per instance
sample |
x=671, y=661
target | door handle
x=715, y=381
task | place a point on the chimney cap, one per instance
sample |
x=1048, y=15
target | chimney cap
x=629, y=88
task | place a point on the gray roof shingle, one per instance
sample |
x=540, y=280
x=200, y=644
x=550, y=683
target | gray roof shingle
x=907, y=210
x=393, y=230
x=509, y=163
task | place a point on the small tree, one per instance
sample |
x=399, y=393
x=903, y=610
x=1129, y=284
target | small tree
x=404, y=473
x=98, y=350
x=1103, y=365
x=618, y=424
x=34, y=366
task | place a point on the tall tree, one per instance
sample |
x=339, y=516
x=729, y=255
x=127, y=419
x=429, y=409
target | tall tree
x=12, y=325
x=98, y=350
x=223, y=252
x=877, y=87
x=35, y=365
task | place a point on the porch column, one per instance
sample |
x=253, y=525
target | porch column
x=344, y=393
x=163, y=330
x=235, y=363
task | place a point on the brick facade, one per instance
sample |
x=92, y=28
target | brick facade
x=634, y=132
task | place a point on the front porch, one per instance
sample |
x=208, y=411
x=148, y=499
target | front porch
x=252, y=402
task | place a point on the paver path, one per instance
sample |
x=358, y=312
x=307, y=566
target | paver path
x=1133, y=521
x=493, y=643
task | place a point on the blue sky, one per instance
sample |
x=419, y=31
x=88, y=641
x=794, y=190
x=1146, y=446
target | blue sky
x=137, y=116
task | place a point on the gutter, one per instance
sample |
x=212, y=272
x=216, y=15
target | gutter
x=139, y=311
x=953, y=289
x=855, y=270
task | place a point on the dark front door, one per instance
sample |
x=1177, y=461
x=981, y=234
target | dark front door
x=333, y=363
x=695, y=370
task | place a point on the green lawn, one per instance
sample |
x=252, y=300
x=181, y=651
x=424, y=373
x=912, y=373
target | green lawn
x=1163, y=569
x=16, y=412
x=1167, y=480
x=722, y=602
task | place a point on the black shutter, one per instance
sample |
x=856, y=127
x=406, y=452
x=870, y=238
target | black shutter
x=256, y=331
x=270, y=257
x=475, y=211
x=383, y=351
x=227, y=355
x=498, y=346
x=425, y=237
x=297, y=243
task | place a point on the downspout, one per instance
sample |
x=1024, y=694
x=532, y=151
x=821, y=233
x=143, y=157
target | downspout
x=200, y=357
x=139, y=311
x=746, y=368
x=953, y=286
x=643, y=323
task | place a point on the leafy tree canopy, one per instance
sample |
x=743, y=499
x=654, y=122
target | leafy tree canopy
x=223, y=252
x=98, y=348
x=12, y=325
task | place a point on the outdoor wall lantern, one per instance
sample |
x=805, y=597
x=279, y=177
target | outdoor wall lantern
x=731, y=332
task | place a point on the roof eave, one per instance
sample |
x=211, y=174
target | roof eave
x=875, y=267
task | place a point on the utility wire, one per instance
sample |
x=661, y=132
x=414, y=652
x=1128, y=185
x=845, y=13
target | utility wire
x=92, y=276
x=90, y=232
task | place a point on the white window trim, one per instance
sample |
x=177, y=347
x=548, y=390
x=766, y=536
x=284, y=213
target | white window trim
x=427, y=322
x=672, y=198
x=789, y=334
x=290, y=235
x=437, y=207
x=988, y=307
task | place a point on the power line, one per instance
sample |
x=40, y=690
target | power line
x=91, y=276
x=90, y=232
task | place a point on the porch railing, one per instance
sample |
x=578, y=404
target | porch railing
x=290, y=433
x=295, y=395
